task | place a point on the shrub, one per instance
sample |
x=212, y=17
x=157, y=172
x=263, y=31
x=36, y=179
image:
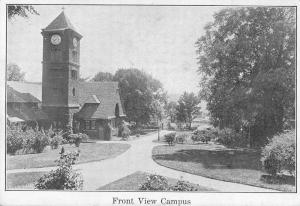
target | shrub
x=181, y=138
x=229, y=137
x=14, y=140
x=40, y=142
x=125, y=133
x=34, y=141
x=170, y=138
x=183, y=186
x=77, y=138
x=279, y=154
x=155, y=182
x=55, y=141
x=63, y=178
x=200, y=136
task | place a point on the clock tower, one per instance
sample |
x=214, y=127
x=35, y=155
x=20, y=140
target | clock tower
x=61, y=66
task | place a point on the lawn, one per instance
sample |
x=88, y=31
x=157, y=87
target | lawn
x=88, y=152
x=23, y=180
x=219, y=162
x=133, y=181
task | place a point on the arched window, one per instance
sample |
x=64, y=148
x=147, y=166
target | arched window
x=117, y=110
x=73, y=91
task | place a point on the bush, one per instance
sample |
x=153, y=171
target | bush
x=77, y=138
x=203, y=136
x=63, y=178
x=229, y=137
x=55, y=141
x=125, y=133
x=155, y=182
x=183, y=186
x=160, y=183
x=181, y=138
x=14, y=140
x=279, y=154
x=170, y=138
x=34, y=141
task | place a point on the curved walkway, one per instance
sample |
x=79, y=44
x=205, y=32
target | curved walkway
x=139, y=158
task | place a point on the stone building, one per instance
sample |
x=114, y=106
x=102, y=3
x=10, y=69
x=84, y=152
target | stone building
x=91, y=107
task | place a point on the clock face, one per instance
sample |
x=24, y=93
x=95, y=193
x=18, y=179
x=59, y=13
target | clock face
x=75, y=42
x=55, y=39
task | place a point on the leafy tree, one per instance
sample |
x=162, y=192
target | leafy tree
x=170, y=109
x=247, y=60
x=14, y=73
x=103, y=76
x=20, y=10
x=187, y=107
x=138, y=92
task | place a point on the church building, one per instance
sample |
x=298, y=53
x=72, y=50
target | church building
x=62, y=100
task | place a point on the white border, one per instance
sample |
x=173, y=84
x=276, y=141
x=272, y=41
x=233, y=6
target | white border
x=105, y=198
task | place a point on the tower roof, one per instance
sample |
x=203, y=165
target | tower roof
x=60, y=22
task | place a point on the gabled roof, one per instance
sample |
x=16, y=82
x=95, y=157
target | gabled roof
x=60, y=22
x=26, y=113
x=24, y=91
x=108, y=95
x=98, y=100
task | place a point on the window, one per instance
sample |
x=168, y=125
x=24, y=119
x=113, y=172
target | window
x=117, y=110
x=93, y=124
x=90, y=124
x=87, y=124
x=74, y=74
x=73, y=92
x=74, y=56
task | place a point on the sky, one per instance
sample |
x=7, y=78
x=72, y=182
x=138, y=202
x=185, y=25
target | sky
x=157, y=40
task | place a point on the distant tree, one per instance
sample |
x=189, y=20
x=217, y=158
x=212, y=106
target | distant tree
x=14, y=73
x=187, y=108
x=20, y=10
x=103, y=77
x=170, y=109
x=138, y=92
x=247, y=60
x=83, y=79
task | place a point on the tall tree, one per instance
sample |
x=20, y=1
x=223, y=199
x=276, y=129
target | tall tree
x=103, y=77
x=247, y=59
x=170, y=109
x=20, y=10
x=187, y=108
x=138, y=92
x=13, y=73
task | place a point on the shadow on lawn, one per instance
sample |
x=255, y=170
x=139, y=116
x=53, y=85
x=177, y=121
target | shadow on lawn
x=216, y=159
x=278, y=179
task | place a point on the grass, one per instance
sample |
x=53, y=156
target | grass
x=88, y=152
x=218, y=162
x=23, y=180
x=132, y=182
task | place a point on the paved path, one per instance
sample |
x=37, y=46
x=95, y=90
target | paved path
x=139, y=158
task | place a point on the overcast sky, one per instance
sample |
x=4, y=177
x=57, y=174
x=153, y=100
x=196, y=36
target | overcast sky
x=158, y=40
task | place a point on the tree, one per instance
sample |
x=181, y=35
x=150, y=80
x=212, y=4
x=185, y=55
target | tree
x=247, y=60
x=187, y=108
x=170, y=109
x=103, y=76
x=23, y=11
x=138, y=92
x=14, y=73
